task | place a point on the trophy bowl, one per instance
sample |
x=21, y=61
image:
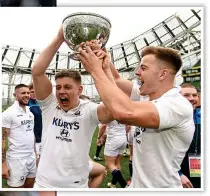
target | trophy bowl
x=81, y=27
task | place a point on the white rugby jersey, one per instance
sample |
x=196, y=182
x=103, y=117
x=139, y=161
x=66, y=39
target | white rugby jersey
x=158, y=153
x=66, y=143
x=115, y=129
x=21, y=135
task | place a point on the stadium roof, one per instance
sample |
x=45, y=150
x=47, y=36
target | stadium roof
x=181, y=31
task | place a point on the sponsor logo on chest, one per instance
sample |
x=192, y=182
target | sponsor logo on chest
x=28, y=124
x=66, y=128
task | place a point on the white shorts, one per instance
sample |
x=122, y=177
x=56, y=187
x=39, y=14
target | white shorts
x=20, y=169
x=38, y=149
x=90, y=166
x=130, y=135
x=114, y=147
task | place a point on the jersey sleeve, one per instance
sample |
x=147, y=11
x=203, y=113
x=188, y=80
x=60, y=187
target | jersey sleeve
x=173, y=112
x=93, y=111
x=6, y=119
x=47, y=103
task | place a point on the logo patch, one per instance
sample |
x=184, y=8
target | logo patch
x=22, y=178
x=77, y=113
x=64, y=133
x=138, y=134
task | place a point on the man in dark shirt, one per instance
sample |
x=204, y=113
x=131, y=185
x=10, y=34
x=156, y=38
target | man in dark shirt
x=191, y=94
x=35, y=109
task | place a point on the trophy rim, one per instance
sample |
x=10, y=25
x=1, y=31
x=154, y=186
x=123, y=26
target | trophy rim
x=87, y=13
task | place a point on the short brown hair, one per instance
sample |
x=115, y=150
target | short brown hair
x=70, y=73
x=168, y=55
x=20, y=86
x=31, y=86
x=187, y=85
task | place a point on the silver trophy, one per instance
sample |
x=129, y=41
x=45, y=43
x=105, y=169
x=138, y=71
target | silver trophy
x=81, y=27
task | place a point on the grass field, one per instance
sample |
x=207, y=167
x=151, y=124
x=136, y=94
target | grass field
x=124, y=164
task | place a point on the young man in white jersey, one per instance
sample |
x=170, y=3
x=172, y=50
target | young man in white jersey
x=68, y=124
x=19, y=161
x=164, y=123
x=115, y=145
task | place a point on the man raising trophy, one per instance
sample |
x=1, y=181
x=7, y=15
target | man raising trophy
x=68, y=122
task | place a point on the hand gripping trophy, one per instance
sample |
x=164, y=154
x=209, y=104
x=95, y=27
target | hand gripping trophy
x=82, y=28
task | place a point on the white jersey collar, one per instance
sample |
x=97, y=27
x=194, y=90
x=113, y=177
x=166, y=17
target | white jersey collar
x=172, y=92
x=17, y=105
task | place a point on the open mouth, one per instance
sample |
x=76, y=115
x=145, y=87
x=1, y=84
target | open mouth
x=140, y=83
x=64, y=100
x=193, y=103
x=25, y=99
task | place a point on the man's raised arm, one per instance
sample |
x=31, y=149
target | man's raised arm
x=42, y=85
x=109, y=68
x=123, y=84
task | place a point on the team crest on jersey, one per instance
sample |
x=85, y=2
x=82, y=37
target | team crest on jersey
x=77, y=113
x=138, y=134
x=22, y=178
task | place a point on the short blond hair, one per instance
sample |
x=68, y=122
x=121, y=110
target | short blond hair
x=168, y=55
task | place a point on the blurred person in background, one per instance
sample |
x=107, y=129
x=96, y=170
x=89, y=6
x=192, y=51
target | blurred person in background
x=100, y=142
x=35, y=109
x=114, y=146
x=130, y=134
x=187, y=178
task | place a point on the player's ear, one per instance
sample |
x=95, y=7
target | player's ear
x=164, y=74
x=80, y=90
